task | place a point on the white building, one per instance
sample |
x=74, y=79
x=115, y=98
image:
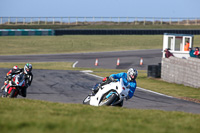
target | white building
x=176, y=43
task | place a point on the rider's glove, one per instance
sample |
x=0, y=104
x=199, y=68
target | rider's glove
x=111, y=79
x=9, y=77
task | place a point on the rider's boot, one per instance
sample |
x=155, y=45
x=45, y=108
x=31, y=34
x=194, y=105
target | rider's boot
x=2, y=88
x=95, y=89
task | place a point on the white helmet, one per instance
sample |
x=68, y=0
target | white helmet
x=132, y=74
x=15, y=68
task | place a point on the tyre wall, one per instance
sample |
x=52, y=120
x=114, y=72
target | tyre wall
x=26, y=32
x=123, y=32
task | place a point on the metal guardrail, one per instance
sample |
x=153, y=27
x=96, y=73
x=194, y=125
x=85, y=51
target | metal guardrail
x=97, y=21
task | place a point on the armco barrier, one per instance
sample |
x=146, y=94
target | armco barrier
x=122, y=32
x=26, y=32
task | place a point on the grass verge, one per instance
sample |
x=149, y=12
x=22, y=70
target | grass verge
x=17, y=45
x=23, y=115
x=40, y=65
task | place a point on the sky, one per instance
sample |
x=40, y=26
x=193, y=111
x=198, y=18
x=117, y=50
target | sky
x=100, y=8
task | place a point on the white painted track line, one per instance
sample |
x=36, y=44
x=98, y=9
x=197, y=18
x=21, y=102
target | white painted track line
x=74, y=65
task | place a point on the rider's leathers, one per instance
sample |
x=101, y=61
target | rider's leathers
x=129, y=84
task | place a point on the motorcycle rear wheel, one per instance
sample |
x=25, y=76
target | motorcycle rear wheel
x=108, y=101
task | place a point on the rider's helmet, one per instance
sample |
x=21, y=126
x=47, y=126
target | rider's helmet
x=15, y=68
x=27, y=68
x=132, y=74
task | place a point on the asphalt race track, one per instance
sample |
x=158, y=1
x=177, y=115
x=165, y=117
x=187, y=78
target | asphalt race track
x=73, y=87
x=105, y=59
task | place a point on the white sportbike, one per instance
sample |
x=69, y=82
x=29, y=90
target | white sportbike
x=111, y=94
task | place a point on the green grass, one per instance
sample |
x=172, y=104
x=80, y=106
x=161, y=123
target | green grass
x=23, y=115
x=12, y=45
x=80, y=43
x=40, y=65
x=102, y=26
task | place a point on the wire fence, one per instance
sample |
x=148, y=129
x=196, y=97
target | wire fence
x=97, y=21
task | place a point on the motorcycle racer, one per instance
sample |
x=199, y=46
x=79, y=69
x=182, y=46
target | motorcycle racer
x=129, y=80
x=28, y=76
x=13, y=71
x=27, y=71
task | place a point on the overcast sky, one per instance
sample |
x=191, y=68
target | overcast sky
x=100, y=8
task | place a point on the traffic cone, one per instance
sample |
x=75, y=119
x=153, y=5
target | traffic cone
x=96, y=62
x=118, y=62
x=141, y=61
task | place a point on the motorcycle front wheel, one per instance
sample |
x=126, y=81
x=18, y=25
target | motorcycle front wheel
x=13, y=93
x=108, y=101
x=86, y=100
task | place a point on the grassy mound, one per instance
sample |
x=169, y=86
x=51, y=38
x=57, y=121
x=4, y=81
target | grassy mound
x=23, y=115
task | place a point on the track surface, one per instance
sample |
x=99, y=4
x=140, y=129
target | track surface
x=74, y=86
x=106, y=59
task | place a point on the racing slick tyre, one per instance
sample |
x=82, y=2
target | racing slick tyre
x=86, y=100
x=12, y=93
x=108, y=101
x=120, y=104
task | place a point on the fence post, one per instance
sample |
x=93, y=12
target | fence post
x=61, y=20
x=153, y=20
x=161, y=21
x=9, y=20
x=170, y=21
x=38, y=21
x=76, y=20
x=68, y=20
x=127, y=19
x=53, y=21
x=23, y=21
x=1, y=20
x=31, y=21
x=118, y=20
x=135, y=21
x=196, y=21
x=16, y=21
x=187, y=21
x=178, y=21
x=144, y=21
x=93, y=19
x=45, y=21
